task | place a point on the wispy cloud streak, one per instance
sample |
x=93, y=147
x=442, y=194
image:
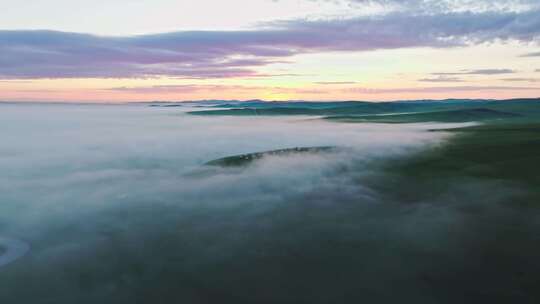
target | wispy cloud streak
x=441, y=89
x=442, y=78
x=517, y=79
x=477, y=72
x=535, y=54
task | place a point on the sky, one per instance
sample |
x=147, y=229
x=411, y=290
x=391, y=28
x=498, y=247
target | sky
x=373, y=50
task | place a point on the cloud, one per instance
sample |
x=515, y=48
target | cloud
x=185, y=89
x=193, y=88
x=535, y=54
x=446, y=89
x=14, y=81
x=182, y=89
x=49, y=54
x=517, y=79
x=478, y=72
x=335, y=82
x=435, y=6
x=490, y=72
x=222, y=54
x=442, y=78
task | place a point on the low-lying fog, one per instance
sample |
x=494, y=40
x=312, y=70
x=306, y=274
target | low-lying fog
x=107, y=199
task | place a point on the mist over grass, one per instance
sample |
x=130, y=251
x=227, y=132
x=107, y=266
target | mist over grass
x=66, y=158
x=118, y=207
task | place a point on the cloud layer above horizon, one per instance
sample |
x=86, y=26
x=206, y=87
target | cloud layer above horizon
x=218, y=54
x=195, y=55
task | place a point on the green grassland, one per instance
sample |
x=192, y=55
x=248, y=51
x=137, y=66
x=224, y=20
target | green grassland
x=468, y=209
x=506, y=152
x=483, y=188
x=489, y=176
x=504, y=148
x=451, y=110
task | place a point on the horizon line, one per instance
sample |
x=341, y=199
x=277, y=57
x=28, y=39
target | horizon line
x=256, y=100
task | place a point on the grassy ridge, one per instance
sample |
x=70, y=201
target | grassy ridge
x=246, y=159
x=354, y=109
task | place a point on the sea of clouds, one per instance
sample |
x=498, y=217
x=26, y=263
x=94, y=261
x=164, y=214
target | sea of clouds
x=116, y=206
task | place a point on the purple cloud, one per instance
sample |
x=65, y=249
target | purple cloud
x=219, y=54
x=193, y=88
x=521, y=79
x=442, y=78
x=182, y=88
x=477, y=72
x=441, y=89
x=433, y=6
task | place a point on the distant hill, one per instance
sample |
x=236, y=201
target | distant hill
x=437, y=110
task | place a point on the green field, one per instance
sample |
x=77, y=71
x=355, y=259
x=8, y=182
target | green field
x=479, y=192
x=486, y=181
x=448, y=110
